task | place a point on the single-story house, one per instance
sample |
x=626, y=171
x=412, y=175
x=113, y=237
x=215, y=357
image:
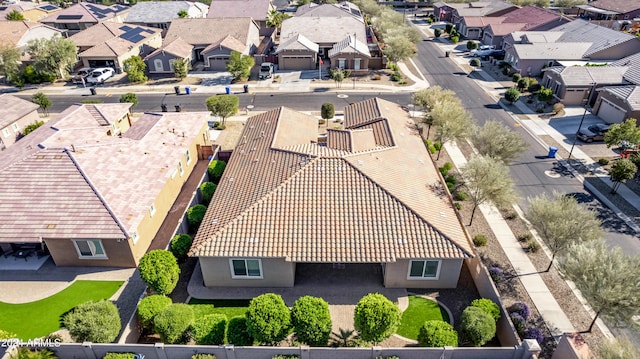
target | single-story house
x=615, y=104
x=297, y=53
x=19, y=33
x=610, y=10
x=109, y=44
x=368, y=193
x=472, y=27
x=159, y=14
x=331, y=10
x=16, y=115
x=30, y=11
x=83, y=15
x=161, y=60
x=573, y=84
x=258, y=10
x=213, y=39
x=103, y=185
x=351, y=54
x=324, y=31
x=454, y=12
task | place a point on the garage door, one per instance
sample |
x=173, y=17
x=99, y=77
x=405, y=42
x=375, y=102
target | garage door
x=218, y=63
x=610, y=112
x=296, y=63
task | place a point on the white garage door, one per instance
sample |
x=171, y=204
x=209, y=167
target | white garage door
x=610, y=112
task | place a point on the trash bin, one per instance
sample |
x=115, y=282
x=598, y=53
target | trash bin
x=93, y=91
x=447, y=53
x=552, y=151
x=227, y=90
x=187, y=90
x=163, y=107
x=246, y=88
x=176, y=89
x=178, y=107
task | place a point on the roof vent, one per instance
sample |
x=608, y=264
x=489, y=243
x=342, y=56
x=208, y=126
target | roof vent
x=231, y=179
x=253, y=240
x=442, y=214
x=214, y=221
x=402, y=241
x=319, y=168
x=360, y=162
x=51, y=226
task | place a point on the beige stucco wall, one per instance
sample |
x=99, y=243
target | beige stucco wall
x=349, y=61
x=64, y=253
x=276, y=272
x=396, y=274
x=23, y=122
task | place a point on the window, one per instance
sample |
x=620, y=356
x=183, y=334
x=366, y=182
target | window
x=341, y=63
x=424, y=269
x=188, y=154
x=180, y=169
x=90, y=248
x=356, y=64
x=159, y=65
x=246, y=268
x=15, y=127
x=6, y=133
x=134, y=237
x=152, y=210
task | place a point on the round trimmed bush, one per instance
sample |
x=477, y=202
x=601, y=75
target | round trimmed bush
x=311, y=320
x=476, y=326
x=195, y=215
x=520, y=308
x=119, y=356
x=460, y=196
x=180, y=245
x=215, y=170
x=512, y=95
x=436, y=333
x=207, y=189
x=268, y=318
x=480, y=240
x=475, y=63
x=149, y=307
x=210, y=329
x=376, y=318
x=173, y=322
x=97, y=322
x=237, y=333
x=437, y=33
x=159, y=270
x=489, y=307
x=534, y=333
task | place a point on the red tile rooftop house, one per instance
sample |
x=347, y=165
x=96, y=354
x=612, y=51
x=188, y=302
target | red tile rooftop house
x=367, y=195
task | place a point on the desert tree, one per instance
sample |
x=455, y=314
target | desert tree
x=135, y=69
x=622, y=170
x=53, y=57
x=43, y=101
x=451, y=120
x=14, y=15
x=626, y=133
x=608, y=278
x=240, y=65
x=487, y=181
x=223, y=106
x=427, y=99
x=619, y=348
x=498, y=141
x=181, y=68
x=9, y=62
x=561, y=221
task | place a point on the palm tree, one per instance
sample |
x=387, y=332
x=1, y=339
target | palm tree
x=275, y=19
x=344, y=339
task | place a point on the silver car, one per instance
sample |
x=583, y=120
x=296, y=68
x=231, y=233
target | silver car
x=593, y=133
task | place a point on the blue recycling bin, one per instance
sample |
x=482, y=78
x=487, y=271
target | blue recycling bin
x=227, y=89
x=552, y=151
x=187, y=89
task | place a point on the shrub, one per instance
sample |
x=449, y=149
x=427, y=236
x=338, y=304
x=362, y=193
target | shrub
x=451, y=179
x=97, y=322
x=448, y=28
x=376, y=318
x=558, y=108
x=311, y=320
x=207, y=189
x=458, y=206
x=523, y=82
x=327, y=110
x=437, y=33
x=397, y=76
x=173, y=322
x=437, y=146
x=210, y=329
x=518, y=322
x=480, y=240
x=477, y=326
x=603, y=161
x=436, y=333
x=506, y=71
x=533, y=246
x=534, y=86
x=496, y=274
x=472, y=45
x=215, y=170
x=475, y=63
x=149, y=307
x=393, y=67
x=516, y=77
x=524, y=237
x=180, y=245
x=520, y=308
x=159, y=270
x=502, y=65
x=454, y=38
x=237, y=333
x=268, y=318
x=6, y=335
x=129, y=98
x=448, y=166
x=28, y=353
x=512, y=95
x=284, y=356
x=432, y=149
x=511, y=215
x=539, y=110
x=488, y=306
x=545, y=94
x=195, y=215
x=119, y=356
x=534, y=333
x=460, y=196
x=203, y=356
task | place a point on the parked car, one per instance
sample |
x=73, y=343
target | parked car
x=593, y=133
x=483, y=50
x=100, y=75
x=497, y=54
x=266, y=70
x=81, y=74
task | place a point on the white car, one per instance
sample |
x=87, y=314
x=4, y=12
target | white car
x=100, y=75
x=484, y=50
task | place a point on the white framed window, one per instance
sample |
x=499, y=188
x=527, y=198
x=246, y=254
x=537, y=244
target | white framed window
x=188, y=155
x=6, y=133
x=152, y=210
x=134, y=237
x=180, y=169
x=424, y=269
x=159, y=65
x=174, y=173
x=246, y=268
x=341, y=63
x=15, y=127
x=90, y=249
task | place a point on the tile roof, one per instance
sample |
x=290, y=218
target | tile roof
x=112, y=38
x=228, y=42
x=629, y=94
x=152, y=12
x=633, y=73
x=601, y=37
x=620, y=6
x=297, y=42
x=588, y=75
x=479, y=8
x=344, y=8
x=552, y=50
x=533, y=17
x=350, y=45
x=504, y=29
x=85, y=12
x=177, y=47
x=356, y=202
x=73, y=157
x=258, y=10
x=208, y=31
x=323, y=29
x=14, y=108
x=482, y=21
x=14, y=31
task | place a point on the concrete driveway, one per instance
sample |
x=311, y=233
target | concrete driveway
x=568, y=124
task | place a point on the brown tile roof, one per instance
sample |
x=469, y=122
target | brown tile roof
x=228, y=42
x=209, y=31
x=256, y=9
x=177, y=47
x=14, y=108
x=112, y=38
x=534, y=16
x=621, y=6
x=482, y=21
x=85, y=13
x=13, y=31
x=353, y=203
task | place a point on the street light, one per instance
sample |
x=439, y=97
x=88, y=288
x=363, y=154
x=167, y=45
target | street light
x=586, y=106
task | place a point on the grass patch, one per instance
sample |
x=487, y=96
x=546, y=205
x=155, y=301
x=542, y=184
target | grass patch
x=36, y=319
x=230, y=308
x=419, y=311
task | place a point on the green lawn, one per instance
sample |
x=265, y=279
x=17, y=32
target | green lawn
x=419, y=311
x=37, y=319
x=230, y=308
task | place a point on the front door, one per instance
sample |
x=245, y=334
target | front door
x=356, y=64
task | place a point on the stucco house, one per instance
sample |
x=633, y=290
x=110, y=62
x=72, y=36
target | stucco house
x=614, y=104
x=83, y=15
x=213, y=39
x=159, y=14
x=572, y=85
x=368, y=193
x=297, y=53
x=610, y=10
x=103, y=186
x=335, y=10
x=258, y=10
x=30, y=11
x=19, y=33
x=454, y=12
x=109, y=44
x=351, y=54
x=16, y=115
x=161, y=60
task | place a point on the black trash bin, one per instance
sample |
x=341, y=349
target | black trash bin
x=176, y=89
x=93, y=91
x=246, y=88
x=447, y=53
x=178, y=107
x=164, y=107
